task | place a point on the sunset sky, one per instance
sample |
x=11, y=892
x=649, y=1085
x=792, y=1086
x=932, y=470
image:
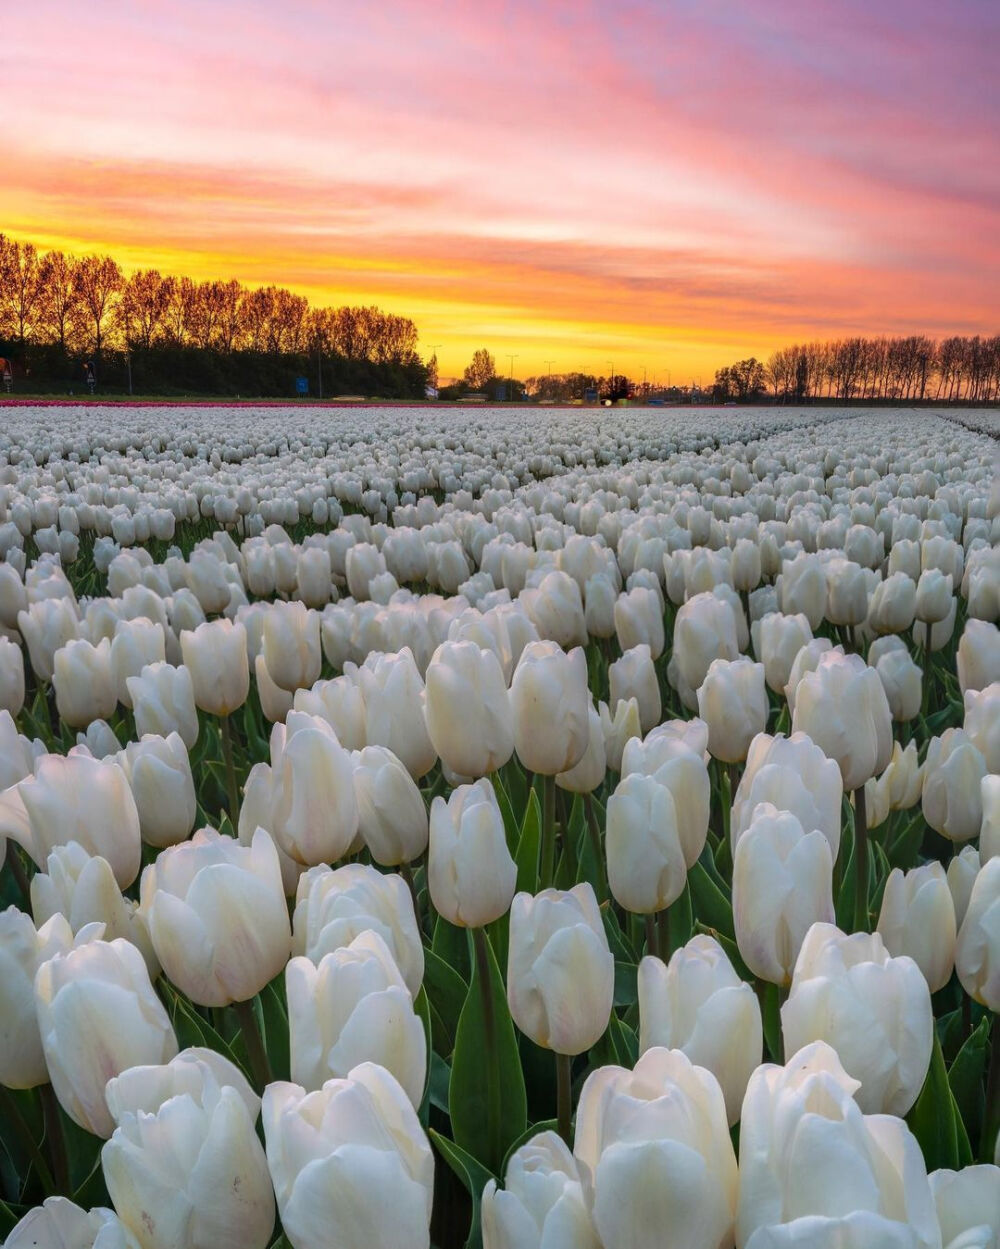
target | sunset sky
x=667, y=185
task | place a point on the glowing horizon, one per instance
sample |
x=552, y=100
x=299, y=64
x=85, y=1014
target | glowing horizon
x=666, y=185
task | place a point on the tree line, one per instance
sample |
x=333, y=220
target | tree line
x=59, y=313
x=910, y=369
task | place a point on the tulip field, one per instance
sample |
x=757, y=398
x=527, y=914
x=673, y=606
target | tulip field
x=519, y=828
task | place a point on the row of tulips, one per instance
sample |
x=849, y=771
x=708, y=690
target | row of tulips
x=485, y=922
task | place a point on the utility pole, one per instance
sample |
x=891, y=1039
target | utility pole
x=549, y=387
x=510, y=393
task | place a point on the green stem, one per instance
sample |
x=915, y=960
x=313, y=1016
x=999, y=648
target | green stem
x=12, y=1115
x=568, y=843
x=652, y=936
x=259, y=1064
x=860, y=861
x=663, y=934
x=594, y=833
x=234, y=793
x=54, y=1138
x=564, y=1096
x=493, y=1090
x=548, y=852
x=406, y=871
x=991, y=1120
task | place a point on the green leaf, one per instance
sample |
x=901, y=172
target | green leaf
x=933, y=1120
x=422, y=1009
x=446, y=991
x=487, y=1097
x=626, y=983
x=273, y=1016
x=966, y=1077
x=473, y=1175
x=770, y=1011
x=708, y=903
x=451, y=944
x=528, y=846
x=679, y=923
x=510, y=826
x=438, y=1082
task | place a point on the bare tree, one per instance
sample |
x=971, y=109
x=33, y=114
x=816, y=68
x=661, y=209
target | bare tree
x=98, y=279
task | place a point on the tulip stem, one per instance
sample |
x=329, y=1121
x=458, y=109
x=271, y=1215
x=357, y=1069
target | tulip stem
x=594, y=832
x=652, y=936
x=564, y=1096
x=860, y=861
x=259, y=1064
x=493, y=1091
x=234, y=795
x=54, y=1137
x=12, y=1114
x=548, y=853
x=406, y=871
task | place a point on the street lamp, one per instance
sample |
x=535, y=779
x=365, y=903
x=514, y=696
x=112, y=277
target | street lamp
x=511, y=358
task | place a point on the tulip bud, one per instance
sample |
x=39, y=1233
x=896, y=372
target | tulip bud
x=792, y=774
x=782, y=885
x=977, y=953
x=11, y=676
x=341, y=704
x=600, y=596
x=846, y=592
x=968, y=1206
x=215, y=654
x=977, y=660
x=98, y=1015
x=556, y=609
x=952, y=795
x=82, y=682
x=902, y=681
x=184, y=1165
x=354, y=1006
x=163, y=700
x=291, y=648
x=159, y=773
x=639, y=620
x=654, y=1144
x=746, y=565
x=816, y=1172
x=550, y=702
x=59, y=1224
x=843, y=708
x=934, y=596
x=892, y=605
x=589, y=773
x=542, y=1202
x=46, y=626
x=982, y=723
x=646, y=864
x=634, y=676
x=704, y=629
x=107, y=824
x=350, y=1163
x=470, y=872
x=560, y=971
x=697, y=1003
x=777, y=640
x=733, y=703
x=619, y=730
x=314, y=817
x=467, y=711
x=216, y=915
x=335, y=905
x=275, y=702
x=207, y=581
x=918, y=919
x=393, y=818
x=848, y=991
x=904, y=777
x=394, y=716
x=136, y=644
x=802, y=588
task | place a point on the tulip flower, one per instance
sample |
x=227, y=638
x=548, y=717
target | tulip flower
x=98, y=1015
x=732, y=701
x=746, y=565
x=542, y=1202
x=60, y=1224
x=335, y=905
x=646, y=863
x=11, y=676
x=962, y=872
x=846, y=593
x=634, y=676
x=589, y=773
x=792, y=774
x=902, y=681
x=470, y=872
x=350, y=1163
x=550, y=703
x=968, y=1206
x=216, y=915
x=600, y=596
x=341, y=704
x=275, y=702
x=163, y=700
x=560, y=971
x=654, y=1146
x=393, y=694
x=352, y=1007
x=290, y=645
x=618, y=730
x=196, y=1072
x=802, y=587
x=639, y=620
x=952, y=794
x=184, y=1165
x=805, y=661
x=873, y=1009
x=817, y=1172
x=704, y=629
x=46, y=626
x=392, y=814
x=135, y=645
x=934, y=596
x=982, y=723
x=977, y=951
x=777, y=640
x=918, y=919
x=467, y=711
x=83, y=889
x=782, y=885
x=82, y=682
x=314, y=816
x=206, y=577
x=893, y=604
x=697, y=1003
x=977, y=661
x=159, y=774
x=215, y=654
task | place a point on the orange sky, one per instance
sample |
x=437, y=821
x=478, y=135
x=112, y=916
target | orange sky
x=668, y=184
